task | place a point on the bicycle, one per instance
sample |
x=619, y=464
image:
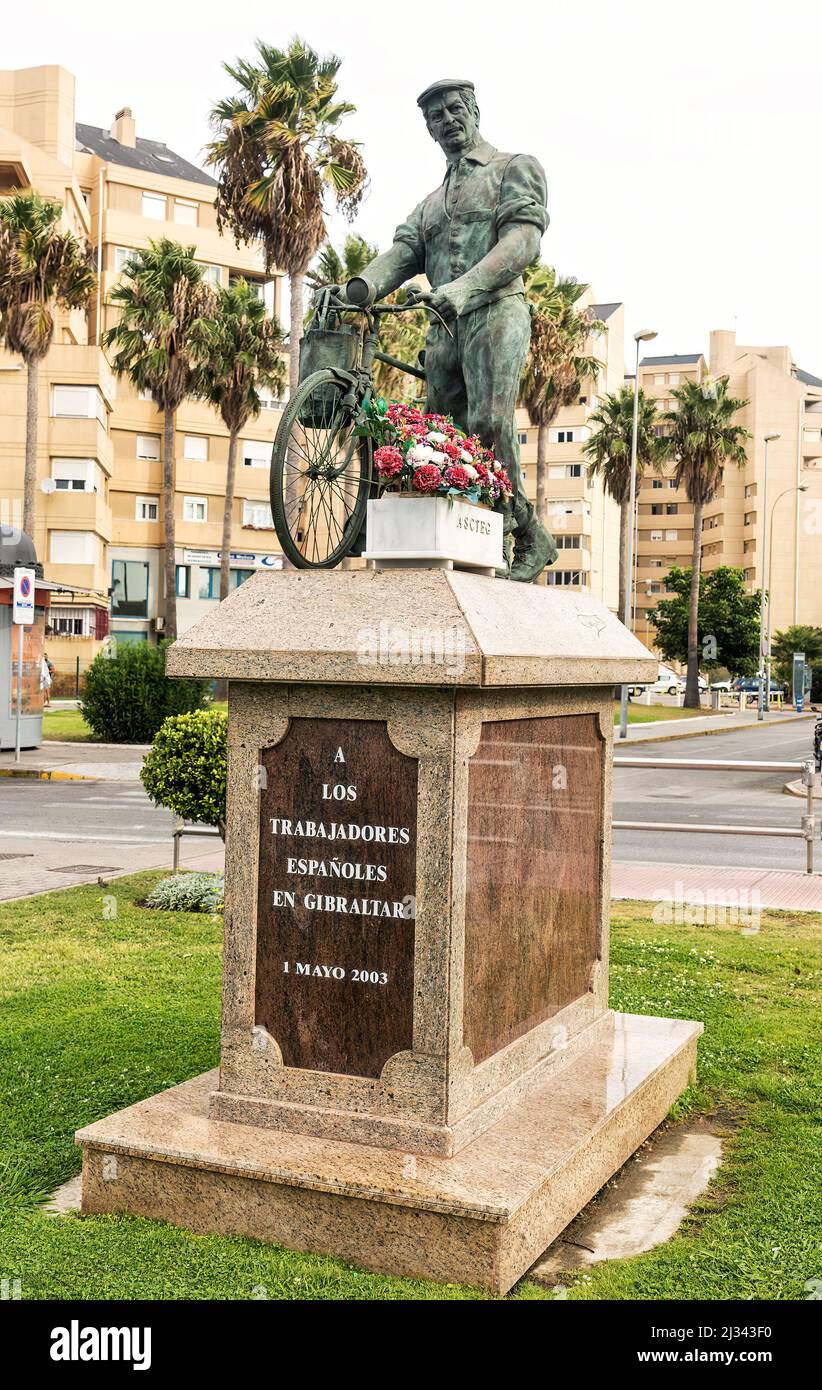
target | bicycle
x=321, y=468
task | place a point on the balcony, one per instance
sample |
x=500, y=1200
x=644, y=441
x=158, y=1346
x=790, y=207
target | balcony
x=77, y=511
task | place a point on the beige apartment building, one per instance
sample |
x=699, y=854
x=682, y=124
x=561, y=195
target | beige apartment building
x=582, y=517
x=782, y=399
x=99, y=528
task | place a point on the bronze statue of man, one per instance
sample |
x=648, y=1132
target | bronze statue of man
x=473, y=238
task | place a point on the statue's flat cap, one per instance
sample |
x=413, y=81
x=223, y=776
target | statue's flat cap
x=445, y=84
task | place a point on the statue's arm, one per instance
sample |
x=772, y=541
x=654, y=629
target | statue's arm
x=522, y=217
x=405, y=258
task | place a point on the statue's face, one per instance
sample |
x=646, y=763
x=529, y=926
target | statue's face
x=451, y=121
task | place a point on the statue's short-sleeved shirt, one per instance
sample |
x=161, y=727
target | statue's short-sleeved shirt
x=457, y=225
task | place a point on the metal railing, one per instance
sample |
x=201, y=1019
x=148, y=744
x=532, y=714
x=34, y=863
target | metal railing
x=803, y=832
x=182, y=828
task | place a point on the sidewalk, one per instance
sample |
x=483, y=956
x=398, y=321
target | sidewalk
x=703, y=724
x=66, y=762
x=787, y=889
x=54, y=864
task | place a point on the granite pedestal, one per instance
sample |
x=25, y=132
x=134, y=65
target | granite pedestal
x=419, y=1070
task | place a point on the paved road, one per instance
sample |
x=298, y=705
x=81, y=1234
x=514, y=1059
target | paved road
x=52, y=827
x=733, y=798
x=53, y=834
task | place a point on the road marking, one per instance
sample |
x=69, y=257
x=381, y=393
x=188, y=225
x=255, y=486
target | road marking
x=69, y=837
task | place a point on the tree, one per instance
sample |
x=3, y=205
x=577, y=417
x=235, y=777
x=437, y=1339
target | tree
x=702, y=438
x=801, y=637
x=401, y=335
x=609, y=449
x=277, y=151
x=163, y=302
x=186, y=767
x=41, y=268
x=727, y=620
x=127, y=695
x=241, y=350
x=557, y=363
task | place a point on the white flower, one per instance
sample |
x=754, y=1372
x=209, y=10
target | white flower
x=436, y=457
x=435, y=437
x=471, y=470
x=466, y=457
x=419, y=453
x=497, y=466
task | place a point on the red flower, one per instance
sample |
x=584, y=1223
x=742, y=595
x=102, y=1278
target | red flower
x=388, y=461
x=427, y=478
x=451, y=449
x=457, y=477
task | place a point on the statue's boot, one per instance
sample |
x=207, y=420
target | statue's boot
x=508, y=557
x=534, y=548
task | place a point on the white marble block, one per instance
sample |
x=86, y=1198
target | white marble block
x=433, y=530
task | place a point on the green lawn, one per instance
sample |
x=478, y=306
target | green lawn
x=66, y=724
x=649, y=714
x=98, y=1012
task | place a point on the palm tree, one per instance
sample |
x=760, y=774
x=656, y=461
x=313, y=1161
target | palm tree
x=41, y=267
x=334, y=268
x=557, y=362
x=701, y=438
x=609, y=449
x=163, y=302
x=277, y=150
x=241, y=350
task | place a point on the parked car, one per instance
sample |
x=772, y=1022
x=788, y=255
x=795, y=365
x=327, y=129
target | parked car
x=749, y=685
x=669, y=683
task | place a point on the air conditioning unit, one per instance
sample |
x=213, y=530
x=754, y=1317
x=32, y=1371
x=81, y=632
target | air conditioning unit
x=159, y=624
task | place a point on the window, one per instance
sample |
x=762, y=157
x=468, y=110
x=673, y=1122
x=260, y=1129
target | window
x=750, y=518
x=672, y=484
x=672, y=535
x=210, y=581
x=211, y=274
x=659, y=379
x=564, y=437
x=146, y=394
x=195, y=509
x=566, y=578
x=656, y=482
x=523, y=436
x=655, y=564
x=148, y=446
x=673, y=378
x=656, y=509
x=78, y=403
x=73, y=475
x=195, y=446
x=269, y=402
x=573, y=470
x=258, y=515
x=185, y=212
x=129, y=586
x=256, y=453
x=750, y=489
x=67, y=627
x=154, y=206
x=121, y=255
x=671, y=508
x=73, y=547
x=183, y=580
x=656, y=535
x=147, y=509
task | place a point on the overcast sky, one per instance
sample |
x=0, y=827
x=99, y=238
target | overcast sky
x=681, y=143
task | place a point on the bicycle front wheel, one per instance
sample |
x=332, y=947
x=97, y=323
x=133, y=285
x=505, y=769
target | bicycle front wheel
x=320, y=474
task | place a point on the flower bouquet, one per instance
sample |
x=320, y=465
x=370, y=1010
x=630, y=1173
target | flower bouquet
x=424, y=465
x=428, y=455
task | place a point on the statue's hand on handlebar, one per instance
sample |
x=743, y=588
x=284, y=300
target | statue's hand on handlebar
x=448, y=301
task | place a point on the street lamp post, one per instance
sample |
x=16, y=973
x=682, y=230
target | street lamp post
x=763, y=697
x=644, y=336
x=803, y=487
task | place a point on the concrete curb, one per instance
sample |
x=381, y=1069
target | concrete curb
x=48, y=774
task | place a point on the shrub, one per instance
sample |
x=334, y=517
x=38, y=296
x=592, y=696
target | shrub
x=185, y=769
x=196, y=892
x=128, y=695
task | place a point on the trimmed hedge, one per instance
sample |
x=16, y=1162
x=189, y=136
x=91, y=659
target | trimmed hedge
x=128, y=695
x=186, y=768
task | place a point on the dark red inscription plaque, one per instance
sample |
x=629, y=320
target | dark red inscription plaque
x=336, y=896
x=532, y=908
